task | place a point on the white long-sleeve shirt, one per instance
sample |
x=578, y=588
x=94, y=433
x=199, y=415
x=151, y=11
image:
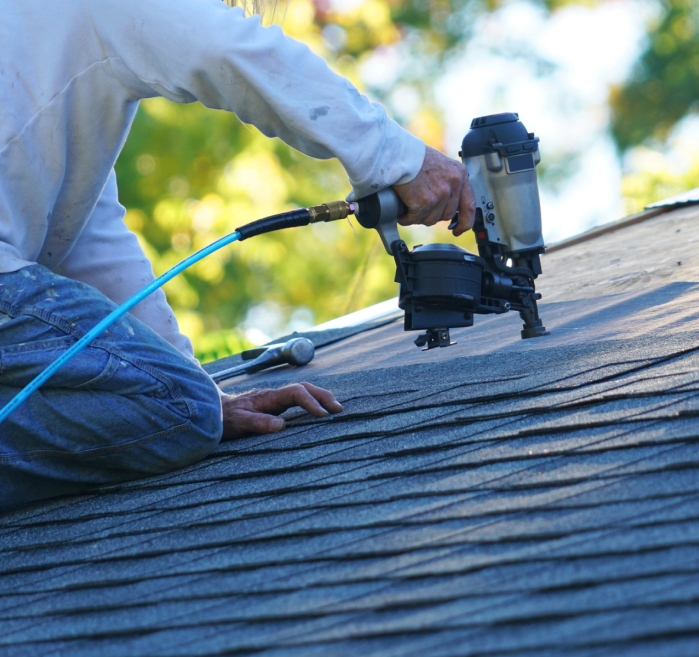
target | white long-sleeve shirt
x=71, y=75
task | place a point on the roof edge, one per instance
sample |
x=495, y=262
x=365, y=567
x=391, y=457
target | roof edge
x=685, y=198
x=609, y=228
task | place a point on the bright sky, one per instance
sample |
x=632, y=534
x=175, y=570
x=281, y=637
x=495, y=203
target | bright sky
x=555, y=70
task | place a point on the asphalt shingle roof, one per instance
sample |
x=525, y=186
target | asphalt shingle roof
x=499, y=497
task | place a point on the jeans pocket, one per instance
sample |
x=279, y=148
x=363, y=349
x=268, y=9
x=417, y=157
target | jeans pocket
x=112, y=367
x=21, y=363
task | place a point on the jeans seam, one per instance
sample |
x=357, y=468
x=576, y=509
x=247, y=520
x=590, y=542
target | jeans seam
x=38, y=345
x=169, y=383
x=87, y=454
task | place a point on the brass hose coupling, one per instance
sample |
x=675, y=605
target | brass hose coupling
x=331, y=211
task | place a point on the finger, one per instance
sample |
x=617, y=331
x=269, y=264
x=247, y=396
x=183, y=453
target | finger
x=325, y=397
x=408, y=216
x=437, y=213
x=467, y=209
x=242, y=422
x=452, y=205
x=278, y=401
x=303, y=398
x=416, y=215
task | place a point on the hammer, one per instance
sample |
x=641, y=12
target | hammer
x=297, y=351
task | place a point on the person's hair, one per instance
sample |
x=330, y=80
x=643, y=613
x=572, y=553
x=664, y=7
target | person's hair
x=265, y=8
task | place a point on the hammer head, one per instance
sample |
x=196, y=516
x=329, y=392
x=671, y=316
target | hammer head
x=297, y=351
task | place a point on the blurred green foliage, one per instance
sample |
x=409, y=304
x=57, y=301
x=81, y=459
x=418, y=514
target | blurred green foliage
x=657, y=182
x=665, y=84
x=663, y=89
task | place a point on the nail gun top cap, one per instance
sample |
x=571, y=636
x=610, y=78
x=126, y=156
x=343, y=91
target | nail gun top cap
x=495, y=132
x=494, y=119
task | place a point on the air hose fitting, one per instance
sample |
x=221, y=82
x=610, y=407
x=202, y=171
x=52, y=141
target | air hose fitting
x=331, y=211
x=302, y=217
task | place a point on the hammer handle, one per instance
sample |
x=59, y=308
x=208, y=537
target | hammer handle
x=269, y=358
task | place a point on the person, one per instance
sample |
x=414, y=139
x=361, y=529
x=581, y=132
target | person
x=136, y=402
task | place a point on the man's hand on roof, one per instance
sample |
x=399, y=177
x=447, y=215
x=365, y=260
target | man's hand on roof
x=257, y=411
x=437, y=192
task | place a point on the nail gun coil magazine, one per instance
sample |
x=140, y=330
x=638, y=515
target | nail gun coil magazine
x=443, y=285
x=440, y=285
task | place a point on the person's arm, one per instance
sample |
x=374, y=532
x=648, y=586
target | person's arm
x=107, y=256
x=188, y=50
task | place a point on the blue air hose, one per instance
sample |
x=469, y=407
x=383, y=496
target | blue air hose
x=23, y=394
x=301, y=217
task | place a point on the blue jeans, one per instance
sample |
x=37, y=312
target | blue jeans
x=128, y=406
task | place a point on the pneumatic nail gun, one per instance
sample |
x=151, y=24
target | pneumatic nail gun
x=442, y=286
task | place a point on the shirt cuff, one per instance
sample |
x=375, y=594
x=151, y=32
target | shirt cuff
x=399, y=160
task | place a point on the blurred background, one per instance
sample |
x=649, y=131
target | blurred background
x=610, y=87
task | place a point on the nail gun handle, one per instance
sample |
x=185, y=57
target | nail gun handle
x=381, y=211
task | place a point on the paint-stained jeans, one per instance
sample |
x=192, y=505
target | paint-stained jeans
x=128, y=406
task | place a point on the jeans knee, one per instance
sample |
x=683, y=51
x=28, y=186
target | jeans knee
x=205, y=426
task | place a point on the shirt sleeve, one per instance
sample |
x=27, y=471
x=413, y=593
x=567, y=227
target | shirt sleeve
x=107, y=256
x=189, y=50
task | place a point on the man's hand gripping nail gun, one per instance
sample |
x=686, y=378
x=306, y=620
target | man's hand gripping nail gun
x=440, y=192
